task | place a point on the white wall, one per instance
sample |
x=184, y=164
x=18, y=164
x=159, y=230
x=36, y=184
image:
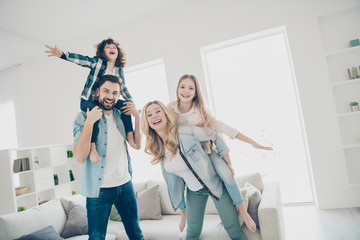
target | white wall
x=47, y=90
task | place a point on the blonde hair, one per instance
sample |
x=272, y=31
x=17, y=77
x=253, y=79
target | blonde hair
x=154, y=145
x=198, y=101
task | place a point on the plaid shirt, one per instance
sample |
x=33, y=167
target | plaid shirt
x=97, y=69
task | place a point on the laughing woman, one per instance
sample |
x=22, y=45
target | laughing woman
x=184, y=163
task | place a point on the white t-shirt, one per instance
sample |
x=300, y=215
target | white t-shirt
x=177, y=166
x=183, y=118
x=108, y=72
x=116, y=171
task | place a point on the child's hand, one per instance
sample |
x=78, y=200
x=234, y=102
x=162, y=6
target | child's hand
x=54, y=51
x=94, y=115
x=130, y=109
x=258, y=146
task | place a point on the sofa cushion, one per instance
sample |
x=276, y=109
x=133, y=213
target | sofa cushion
x=76, y=223
x=78, y=199
x=47, y=233
x=149, y=204
x=114, y=215
x=254, y=196
x=31, y=220
x=166, y=207
x=164, y=229
x=254, y=178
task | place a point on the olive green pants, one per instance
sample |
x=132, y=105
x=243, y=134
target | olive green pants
x=195, y=210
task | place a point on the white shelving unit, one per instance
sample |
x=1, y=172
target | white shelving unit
x=337, y=30
x=39, y=179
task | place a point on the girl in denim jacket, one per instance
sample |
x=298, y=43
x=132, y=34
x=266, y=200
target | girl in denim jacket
x=189, y=109
x=184, y=163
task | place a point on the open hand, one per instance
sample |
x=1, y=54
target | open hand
x=258, y=146
x=54, y=51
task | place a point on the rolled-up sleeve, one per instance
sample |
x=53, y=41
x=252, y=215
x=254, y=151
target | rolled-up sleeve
x=223, y=128
x=78, y=125
x=221, y=146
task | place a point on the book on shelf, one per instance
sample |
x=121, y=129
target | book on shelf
x=21, y=164
x=353, y=72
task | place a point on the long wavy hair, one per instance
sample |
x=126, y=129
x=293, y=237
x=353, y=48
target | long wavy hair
x=198, y=101
x=100, y=53
x=154, y=145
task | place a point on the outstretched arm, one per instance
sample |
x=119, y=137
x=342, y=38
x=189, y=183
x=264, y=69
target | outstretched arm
x=223, y=128
x=79, y=59
x=246, y=139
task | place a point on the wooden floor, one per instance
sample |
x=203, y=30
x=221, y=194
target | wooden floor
x=307, y=222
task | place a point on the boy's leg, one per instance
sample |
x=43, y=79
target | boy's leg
x=224, y=172
x=98, y=212
x=195, y=210
x=127, y=123
x=229, y=217
x=84, y=105
x=127, y=207
x=125, y=118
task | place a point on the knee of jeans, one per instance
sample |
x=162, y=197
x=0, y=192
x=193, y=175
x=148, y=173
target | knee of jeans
x=228, y=179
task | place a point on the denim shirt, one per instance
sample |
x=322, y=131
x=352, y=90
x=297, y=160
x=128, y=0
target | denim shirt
x=189, y=140
x=91, y=173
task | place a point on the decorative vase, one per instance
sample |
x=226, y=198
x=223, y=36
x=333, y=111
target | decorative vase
x=71, y=175
x=354, y=108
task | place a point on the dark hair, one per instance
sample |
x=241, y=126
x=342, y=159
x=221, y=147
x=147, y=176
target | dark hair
x=110, y=78
x=101, y=54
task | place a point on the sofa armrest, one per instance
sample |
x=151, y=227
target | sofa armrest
x=270, y=214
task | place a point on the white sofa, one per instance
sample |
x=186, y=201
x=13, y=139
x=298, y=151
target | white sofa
x=52, y=213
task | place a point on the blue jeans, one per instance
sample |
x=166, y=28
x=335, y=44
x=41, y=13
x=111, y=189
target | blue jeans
x=195, y=210
x=224, y=173
x=98, y=211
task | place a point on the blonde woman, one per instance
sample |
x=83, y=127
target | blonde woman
x=190, y=110
x=184, y=163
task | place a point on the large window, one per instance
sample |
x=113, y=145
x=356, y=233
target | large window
x=146, y=82
x=8, y=134
x=252, y=87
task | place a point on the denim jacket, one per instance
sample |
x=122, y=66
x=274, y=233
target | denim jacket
x=198, y=162
x=91, y=173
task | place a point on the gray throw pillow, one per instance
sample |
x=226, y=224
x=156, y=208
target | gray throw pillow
x=76, y=223
x=47, y=233
x=254, y=197
x=149, y=203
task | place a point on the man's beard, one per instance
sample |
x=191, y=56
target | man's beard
x=104, y=106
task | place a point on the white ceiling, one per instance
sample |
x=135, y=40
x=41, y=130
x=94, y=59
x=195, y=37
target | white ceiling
x=25, y=25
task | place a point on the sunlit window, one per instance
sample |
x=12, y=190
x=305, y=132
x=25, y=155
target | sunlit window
x=252, y=87
x=146, y=82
